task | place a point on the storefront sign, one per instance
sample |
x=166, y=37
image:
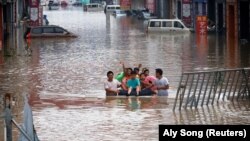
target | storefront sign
x=35, y=15
x=40, y=17
x=34, y=3
x=125, y=4
x=201, y=25
x=186, y=15
x=150, y=4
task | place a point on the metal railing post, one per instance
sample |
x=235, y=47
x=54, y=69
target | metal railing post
x=236, y=84
x=196, y=103
x=178, y=91
x=241, y=82
x=4, y=131
x=183, y=92
x=187, y=101
x=246, y=79
x=211, y=87
x=7, y=118
x=228, y=96
x=206, y=88
x=196, y=86
x=221, y=86
x=226, y=85
x=21, y=130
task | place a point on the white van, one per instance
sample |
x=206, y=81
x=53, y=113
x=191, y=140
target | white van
x=167, y=26
x=93, y=7
x=112, y=8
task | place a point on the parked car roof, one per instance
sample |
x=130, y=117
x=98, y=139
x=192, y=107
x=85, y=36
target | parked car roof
x=57, y=31
x=165, y=20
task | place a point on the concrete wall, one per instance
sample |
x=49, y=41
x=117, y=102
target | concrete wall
x=243, y=30
x=137, y=4
x=1, y=28
x=217, y=12
x=164, y=9
x=232, y=19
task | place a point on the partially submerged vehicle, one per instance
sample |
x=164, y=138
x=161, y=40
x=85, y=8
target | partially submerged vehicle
x=167, y=26
x=119, y=13
x=53, y=5
x=111, y=8
x=49, y=31
x=93, y=7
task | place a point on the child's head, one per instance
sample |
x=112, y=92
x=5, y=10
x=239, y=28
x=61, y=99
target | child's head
x=146, y=72
x=133, y=75
x=142, y=77
x=137, y=70
x=129, y=70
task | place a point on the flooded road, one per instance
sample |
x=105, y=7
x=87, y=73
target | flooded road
x=64, y=78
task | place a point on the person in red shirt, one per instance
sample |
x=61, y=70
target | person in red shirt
x=27, y=39
x=148, y=83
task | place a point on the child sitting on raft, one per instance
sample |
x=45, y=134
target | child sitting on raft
x=133, y=84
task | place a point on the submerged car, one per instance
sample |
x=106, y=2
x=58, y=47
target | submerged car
x=119, y=13
x=143, y=14
x=53, y=5
x=49, y=31
x=167, y=26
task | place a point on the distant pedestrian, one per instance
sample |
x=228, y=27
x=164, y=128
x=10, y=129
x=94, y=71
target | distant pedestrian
x=161, y=83
x=27, y=40
x=45, y=20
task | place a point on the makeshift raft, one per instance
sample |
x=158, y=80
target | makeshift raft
x=146, y=92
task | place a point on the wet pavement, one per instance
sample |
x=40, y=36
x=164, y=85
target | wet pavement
x=64, y=78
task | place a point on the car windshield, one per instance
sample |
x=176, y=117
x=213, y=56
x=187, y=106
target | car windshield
x=59, y=30
x=122, y=12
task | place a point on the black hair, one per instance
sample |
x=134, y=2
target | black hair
x=145, y=70
x=141, y=74
x=130, y=69
x=136, y=69
x=159, y=71
x=109, y=72
x=133, y=72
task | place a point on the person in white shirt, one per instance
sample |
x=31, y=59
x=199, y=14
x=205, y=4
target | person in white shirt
x=161, y=83
x=111, y=85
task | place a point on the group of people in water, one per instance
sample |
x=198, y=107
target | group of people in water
x=136, y=82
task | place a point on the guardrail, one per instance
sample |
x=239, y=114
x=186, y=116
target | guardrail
x=4, y=131
x=28, y=133
x=206, y=87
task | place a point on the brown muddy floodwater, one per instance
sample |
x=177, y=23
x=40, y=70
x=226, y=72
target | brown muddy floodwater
x=64, y=78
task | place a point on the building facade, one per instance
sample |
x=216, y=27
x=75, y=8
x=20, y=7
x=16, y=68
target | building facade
x=11, y=14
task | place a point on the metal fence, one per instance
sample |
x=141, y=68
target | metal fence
x=27, y=131
x=207, y=87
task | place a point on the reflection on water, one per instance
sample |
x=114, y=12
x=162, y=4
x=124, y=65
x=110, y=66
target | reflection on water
x=122, y=118
x=62, y=75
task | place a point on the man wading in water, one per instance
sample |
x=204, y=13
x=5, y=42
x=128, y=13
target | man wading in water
x=111, y=85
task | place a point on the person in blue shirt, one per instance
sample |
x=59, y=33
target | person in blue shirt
x=133, y=84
